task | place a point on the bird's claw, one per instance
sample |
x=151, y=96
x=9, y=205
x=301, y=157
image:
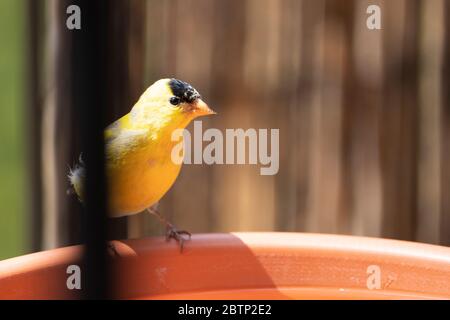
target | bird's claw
x=178, y=235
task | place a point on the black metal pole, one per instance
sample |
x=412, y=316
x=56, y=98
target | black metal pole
x=89, y=96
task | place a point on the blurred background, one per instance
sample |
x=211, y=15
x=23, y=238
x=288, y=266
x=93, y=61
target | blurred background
x=364, y=115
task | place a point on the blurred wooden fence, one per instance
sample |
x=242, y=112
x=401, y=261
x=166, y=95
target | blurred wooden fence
x=363, y=115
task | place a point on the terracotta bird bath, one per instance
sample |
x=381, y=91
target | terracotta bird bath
x=245, y=266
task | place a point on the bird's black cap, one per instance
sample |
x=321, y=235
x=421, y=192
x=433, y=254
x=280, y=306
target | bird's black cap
x=183, y=90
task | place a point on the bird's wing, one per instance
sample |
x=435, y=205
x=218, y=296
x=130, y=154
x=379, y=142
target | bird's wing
x=114, y=129
x=121, y=136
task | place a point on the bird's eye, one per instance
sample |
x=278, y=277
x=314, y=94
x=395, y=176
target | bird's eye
x=175, y=101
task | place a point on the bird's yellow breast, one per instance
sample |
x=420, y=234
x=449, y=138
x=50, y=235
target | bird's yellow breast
x=140, y=169
x=140, y=175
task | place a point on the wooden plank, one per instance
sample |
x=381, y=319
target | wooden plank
x=399, y=120
x=445, y=133
x=364, y=97
x=429, y=193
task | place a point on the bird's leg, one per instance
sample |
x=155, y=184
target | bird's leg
x=171, y=231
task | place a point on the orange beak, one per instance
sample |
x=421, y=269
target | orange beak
x=202, y=109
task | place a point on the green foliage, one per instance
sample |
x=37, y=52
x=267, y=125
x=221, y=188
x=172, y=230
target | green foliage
x=12, y=159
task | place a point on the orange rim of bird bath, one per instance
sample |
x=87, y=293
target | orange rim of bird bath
x=246, y=266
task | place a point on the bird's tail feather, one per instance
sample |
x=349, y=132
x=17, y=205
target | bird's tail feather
x=76, y=178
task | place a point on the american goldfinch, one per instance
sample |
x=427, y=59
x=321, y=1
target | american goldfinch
x=138, y=150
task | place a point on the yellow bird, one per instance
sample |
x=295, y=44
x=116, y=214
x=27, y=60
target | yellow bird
x=139, y=164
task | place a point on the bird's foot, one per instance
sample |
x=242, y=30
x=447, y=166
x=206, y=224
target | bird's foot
x=180, y=236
